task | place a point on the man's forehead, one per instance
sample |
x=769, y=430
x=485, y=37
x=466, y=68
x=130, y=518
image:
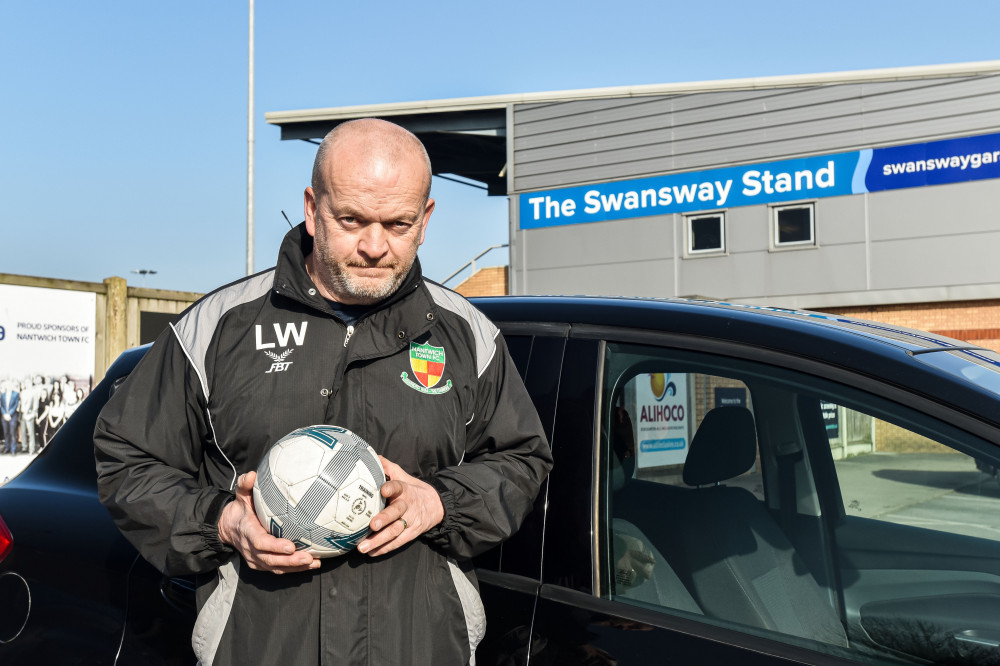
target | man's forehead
x=376, y=178
x=383, y=152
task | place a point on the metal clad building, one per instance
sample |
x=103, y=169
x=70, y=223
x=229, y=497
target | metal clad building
x=819, y=191
x=931, y=242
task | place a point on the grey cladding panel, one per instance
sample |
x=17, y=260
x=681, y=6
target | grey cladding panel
x=697, y=107
x=597, y=168
x=759, y=274
x=746, y=229
x=951, y=89
x=917, y=262
x=840, y=220
x=742, y=101
x=929, y=212
x=943, y=109
x=598, y=243
x=977, y=123
x=879, y=87
x=690, y=139
x=645, y=278
x=642, y=131
x=625, y=110
x=597, y=140
x=746, y=146
x=535, y=115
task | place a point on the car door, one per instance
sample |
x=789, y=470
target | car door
x=915, y=528
x=701, y=512
x=509, y=575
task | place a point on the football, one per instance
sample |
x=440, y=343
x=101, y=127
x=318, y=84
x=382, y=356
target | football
x=318, y=486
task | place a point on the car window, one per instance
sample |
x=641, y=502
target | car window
x=918, y=540
x=655, y=415
x=890, y=473
x=788, y=506
x=519, y=347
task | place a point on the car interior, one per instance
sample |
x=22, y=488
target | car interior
x=760, y=528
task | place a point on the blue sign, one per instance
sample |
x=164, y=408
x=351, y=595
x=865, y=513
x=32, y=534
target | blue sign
x=937, y=163
x=917, y=165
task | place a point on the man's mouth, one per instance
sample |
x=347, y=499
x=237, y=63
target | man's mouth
x=371, y=269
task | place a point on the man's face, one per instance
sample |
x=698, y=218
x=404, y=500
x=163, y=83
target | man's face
x=367, y=225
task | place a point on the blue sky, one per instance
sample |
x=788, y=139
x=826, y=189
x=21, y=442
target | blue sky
x=123, y=124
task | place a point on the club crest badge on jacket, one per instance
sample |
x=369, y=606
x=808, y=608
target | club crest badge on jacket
x=427, y=363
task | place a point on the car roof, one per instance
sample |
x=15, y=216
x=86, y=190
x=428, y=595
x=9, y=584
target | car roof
x=916, y=360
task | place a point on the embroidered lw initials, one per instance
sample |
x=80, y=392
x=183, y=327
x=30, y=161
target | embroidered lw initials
x=282, y=335
x=297, y=334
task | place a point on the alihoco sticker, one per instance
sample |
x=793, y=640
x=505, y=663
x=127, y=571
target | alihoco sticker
x=871, y=170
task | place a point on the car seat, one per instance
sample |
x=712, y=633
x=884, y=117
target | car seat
x=728, y=550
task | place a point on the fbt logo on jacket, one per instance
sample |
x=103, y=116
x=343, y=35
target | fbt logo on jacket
x=282, y=334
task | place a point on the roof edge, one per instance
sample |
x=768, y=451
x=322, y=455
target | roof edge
x=500, y=101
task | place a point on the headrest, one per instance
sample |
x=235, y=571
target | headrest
x=724, y=446
x=622, y=448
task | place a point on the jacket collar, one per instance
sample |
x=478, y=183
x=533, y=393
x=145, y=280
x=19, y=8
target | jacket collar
x=292, y=280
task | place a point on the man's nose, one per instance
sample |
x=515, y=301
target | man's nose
x=374, y=241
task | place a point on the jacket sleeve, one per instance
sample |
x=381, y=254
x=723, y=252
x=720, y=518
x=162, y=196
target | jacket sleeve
x=149, y=443
x=488, y=495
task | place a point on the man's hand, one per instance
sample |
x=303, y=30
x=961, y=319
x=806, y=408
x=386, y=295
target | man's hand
x=414, y=507
x=240, y=528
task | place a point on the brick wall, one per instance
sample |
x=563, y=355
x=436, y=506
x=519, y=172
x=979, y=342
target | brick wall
x=490, y=281
x=975, y=322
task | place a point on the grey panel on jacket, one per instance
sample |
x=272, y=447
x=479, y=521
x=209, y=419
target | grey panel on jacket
x=195, y=329
x=483, y=330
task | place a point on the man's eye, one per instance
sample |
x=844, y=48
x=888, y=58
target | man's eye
x=348, y=220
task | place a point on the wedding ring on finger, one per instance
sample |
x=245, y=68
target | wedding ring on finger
x=405, y=524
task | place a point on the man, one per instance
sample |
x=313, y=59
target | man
x=328, y=336
x=10, y=402
x=29, y=412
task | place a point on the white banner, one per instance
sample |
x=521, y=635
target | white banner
x=46, y=358
x=661, y=416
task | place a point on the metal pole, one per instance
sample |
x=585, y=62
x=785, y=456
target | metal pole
x=250, y=119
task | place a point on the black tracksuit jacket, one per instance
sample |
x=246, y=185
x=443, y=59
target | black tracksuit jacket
x=265, y=355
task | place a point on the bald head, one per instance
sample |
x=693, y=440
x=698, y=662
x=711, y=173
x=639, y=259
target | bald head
x=378, y=140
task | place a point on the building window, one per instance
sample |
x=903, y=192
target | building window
x=794, y=225
x=706, y=234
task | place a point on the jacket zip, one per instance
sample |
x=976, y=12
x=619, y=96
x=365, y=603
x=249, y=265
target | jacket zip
x=350, y=332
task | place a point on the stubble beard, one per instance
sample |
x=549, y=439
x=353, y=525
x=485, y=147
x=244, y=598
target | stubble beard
x=362, y=291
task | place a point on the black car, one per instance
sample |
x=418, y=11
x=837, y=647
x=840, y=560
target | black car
x=732, y=484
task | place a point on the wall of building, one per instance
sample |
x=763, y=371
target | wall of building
x=923, y=244
x=976, y=322
x=576, y=142
x=491, y=281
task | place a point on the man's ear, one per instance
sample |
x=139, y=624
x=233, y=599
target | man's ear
x=309, y=207
x=428, y=209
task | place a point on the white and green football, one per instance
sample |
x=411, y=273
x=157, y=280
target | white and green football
x=318, y=486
